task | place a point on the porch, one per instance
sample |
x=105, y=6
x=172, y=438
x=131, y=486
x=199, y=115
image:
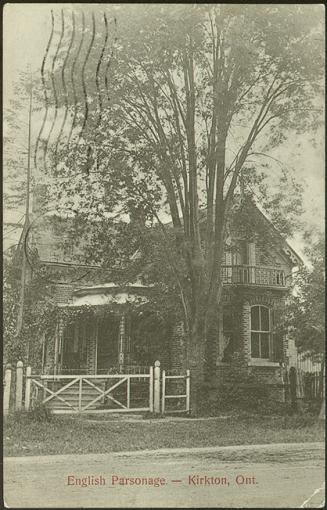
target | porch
x=107, y=329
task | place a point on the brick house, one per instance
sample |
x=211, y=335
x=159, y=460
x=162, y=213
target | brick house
x=111, y=329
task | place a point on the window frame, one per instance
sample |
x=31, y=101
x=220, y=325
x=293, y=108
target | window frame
x=261, y=332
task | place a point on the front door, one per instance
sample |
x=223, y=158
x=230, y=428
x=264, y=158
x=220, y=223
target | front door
x=107, y=343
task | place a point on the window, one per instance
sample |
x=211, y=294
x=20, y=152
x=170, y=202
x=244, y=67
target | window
x=228, y=332
x=260, y=332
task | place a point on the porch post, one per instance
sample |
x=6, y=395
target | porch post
x=55, y=364
x=91, y=348
x=43, y=352
x=59, y=347
x=251, y=261
x=122, y=328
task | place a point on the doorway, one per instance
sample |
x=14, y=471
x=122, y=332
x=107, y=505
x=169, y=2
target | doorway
x=107, y=343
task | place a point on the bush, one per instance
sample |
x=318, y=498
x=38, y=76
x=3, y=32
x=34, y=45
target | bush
x=299, y=421
x=247, y=394
x=242, y=392
x=40, y=413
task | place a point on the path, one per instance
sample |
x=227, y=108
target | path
x=279, y=476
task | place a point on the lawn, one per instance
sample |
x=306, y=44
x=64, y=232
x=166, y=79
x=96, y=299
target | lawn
x=63, y=435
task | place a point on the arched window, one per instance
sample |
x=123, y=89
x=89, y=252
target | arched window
x=260, y=332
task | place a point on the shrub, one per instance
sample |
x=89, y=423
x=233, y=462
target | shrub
x=39, y=413
x=299, y=421
x=246, y=394
x=243, y=392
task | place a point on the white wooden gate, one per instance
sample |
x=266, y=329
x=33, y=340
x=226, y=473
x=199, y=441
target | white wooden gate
x=154, y=391
x=90, y=393
x=176, y=389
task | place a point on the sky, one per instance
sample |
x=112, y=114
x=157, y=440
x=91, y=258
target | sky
x=26, y=31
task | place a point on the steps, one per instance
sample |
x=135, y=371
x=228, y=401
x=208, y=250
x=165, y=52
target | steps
x=71, y=395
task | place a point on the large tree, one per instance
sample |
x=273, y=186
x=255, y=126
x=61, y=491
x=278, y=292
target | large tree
x=186, y=103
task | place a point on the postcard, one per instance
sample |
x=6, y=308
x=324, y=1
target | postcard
x=163, y=255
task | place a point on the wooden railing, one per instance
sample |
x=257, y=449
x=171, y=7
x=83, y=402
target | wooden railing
x=253, y=275
x=126, y=369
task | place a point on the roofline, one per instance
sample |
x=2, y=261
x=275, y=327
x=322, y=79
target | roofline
x=301, y=262
x=279, y=234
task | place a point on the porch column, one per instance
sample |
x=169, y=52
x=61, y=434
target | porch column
x=92, y=348
x=58, y=346
x=121, y=342
x=251, y=261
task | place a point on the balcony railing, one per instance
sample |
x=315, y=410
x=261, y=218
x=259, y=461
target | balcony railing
x=253, y=275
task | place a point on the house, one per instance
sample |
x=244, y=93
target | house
x=107, y=328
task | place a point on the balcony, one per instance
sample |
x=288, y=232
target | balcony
x=253, y=275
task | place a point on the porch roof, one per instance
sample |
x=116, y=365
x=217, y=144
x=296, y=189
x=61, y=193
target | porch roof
x=108, y=294
x=112, y=288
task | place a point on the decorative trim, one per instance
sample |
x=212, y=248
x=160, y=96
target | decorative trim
x=261, y=300
x=258, y=362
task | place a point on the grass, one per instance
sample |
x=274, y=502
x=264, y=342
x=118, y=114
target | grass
x=63, y=435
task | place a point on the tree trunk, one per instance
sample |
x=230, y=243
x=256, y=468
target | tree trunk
x=322, y=414
x=196, y=363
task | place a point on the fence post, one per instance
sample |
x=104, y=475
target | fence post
x=28, y=388
x=7, y=388
x=19, y=385
x=80, y=389
x=163, y=397
x=151, y=390
x=323, y=391
x=156, y=400
x=188, y=388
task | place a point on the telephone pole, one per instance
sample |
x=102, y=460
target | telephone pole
x=21, y=303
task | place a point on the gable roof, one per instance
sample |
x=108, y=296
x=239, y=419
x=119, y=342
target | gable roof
x=285, y=246
x=286, y=250
x=51, y=242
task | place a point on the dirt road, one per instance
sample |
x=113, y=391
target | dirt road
x=278, y=477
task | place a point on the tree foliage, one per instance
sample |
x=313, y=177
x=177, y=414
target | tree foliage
x=39, y=312
x=306, y=309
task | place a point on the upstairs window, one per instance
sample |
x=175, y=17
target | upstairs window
x=260, y=332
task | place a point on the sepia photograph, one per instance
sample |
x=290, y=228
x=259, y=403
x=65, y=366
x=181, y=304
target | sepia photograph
x=163, y=255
